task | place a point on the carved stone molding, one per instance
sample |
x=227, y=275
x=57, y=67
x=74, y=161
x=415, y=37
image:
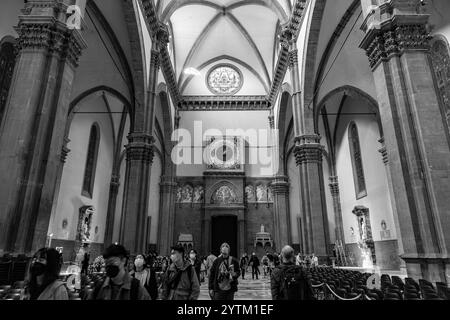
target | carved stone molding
x=293, y=58
x=383, y=152
x=288, y=36
x=65, y=151
x=394, y=36
x=55, y=38
x=334, y=186
x=280, y=185
x=271, y=122
x=140, y=147
x=308, y=149
x=213, y=103
x=114, y=184
x=160, y=33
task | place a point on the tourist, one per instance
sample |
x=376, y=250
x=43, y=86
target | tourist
x=42, y=281
x=314, y=260
x=209, y=262
x=145, y=273
x=196, y=262
x=180, y=281
x=288, y=281
x=243, y=266
x=119, y=285
x=86, y=259
x=203, y=270
x=265, y=264
x=298, y=260
x=254, y=262
x=224, y=275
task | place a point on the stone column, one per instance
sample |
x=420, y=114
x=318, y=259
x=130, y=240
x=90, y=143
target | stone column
x=397, y=44
x=339, y=228
x=308, y=152
x=139, y=157
x=167, y=214
x=281, y=216
x=32, y=131
x=385, y=158
x=242, y=234
x=206, y=232
x=112, y=200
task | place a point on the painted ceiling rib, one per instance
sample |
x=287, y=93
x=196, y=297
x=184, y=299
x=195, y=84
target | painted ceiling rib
x=252, y=43
x=272, y=5
x=174, y=5
x=226, y=57
x=202, y=36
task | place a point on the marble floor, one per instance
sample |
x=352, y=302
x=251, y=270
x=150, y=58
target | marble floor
x=247, y=290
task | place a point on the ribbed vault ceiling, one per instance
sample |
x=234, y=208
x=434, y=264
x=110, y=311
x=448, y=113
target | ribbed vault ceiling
x=205, y=31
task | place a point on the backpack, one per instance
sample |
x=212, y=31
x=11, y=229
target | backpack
x=225, y=283
x=134, y=290
x=292, y=286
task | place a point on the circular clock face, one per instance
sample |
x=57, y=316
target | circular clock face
x=222, y=154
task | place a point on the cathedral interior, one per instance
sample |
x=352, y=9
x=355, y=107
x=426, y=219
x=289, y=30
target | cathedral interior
x=320, y=124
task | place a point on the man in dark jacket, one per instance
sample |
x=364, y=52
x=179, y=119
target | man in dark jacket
x=288, y=281
x=223, y=280
x=254, y=262
x=180, y=280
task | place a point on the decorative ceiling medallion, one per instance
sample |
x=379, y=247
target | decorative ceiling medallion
x=224, y=79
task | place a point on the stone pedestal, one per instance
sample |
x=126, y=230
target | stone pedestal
x=397, y=44
x=32, y=134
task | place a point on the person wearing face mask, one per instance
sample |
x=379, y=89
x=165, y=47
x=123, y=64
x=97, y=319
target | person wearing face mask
x=195, y=262
x=180, y=280
x=146, y=275
x=223, y=280
x=119, y=285
x=42, y=280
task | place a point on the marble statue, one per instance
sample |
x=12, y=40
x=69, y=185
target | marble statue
x=261, y=193
x=250, y=193
x=198, y=194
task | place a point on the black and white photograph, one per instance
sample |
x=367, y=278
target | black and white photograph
x=219, y=157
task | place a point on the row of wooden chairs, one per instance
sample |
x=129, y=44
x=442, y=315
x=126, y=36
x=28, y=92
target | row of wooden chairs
x=12, y=271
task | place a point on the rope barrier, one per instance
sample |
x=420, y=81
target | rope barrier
x=340, y=298
x=336, y=295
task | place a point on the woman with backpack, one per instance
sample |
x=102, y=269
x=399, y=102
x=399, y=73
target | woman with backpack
x=42, y=280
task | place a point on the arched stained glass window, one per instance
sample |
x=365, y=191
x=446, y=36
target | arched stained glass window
x=7, y=62
x=91, y=161
x=356, y=156
x=441, y=64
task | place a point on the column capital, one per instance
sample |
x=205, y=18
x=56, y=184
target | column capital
x=280, y=185
x=140, y=147
x=308, y=149
x=168, y=184
x=394, y=28
x=46, y=33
